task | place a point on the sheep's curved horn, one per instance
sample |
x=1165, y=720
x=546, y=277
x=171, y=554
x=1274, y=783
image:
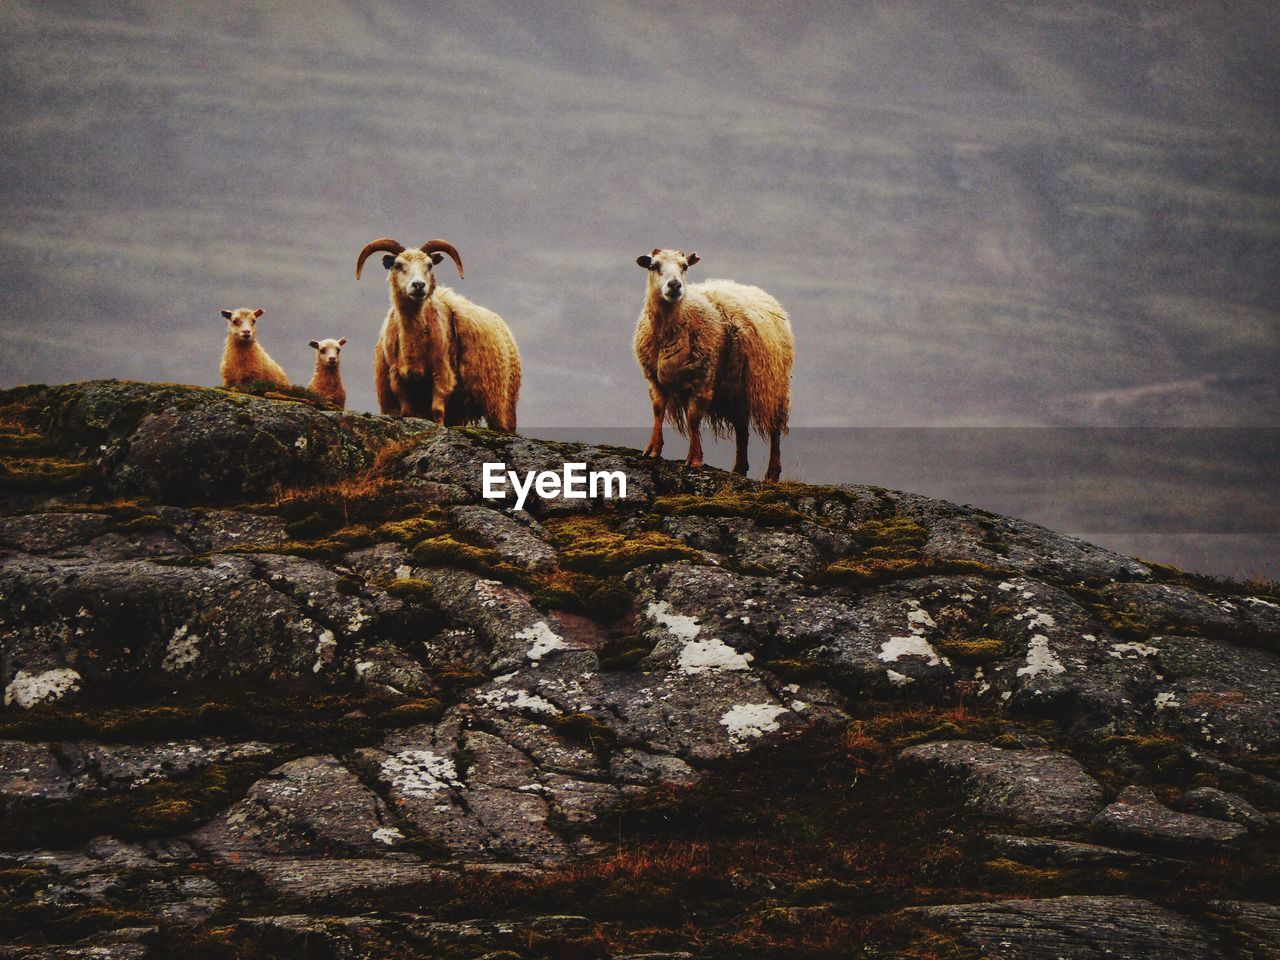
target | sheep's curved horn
x=383, y=243
x=444, y=246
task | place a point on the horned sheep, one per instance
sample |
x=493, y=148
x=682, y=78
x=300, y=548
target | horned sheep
x=439, y=355
x=717, y=350
x=244, y=361
x=326, y=382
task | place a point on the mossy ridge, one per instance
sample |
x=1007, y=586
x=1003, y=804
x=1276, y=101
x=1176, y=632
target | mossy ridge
x=873, y=570
x=293, y=393
x=972, y=650
x=892, y=548
x=590, y=544
x=767, y=506
x=148, y=810
x=30, y=462
x=449, y=550
x=292, y=715
x=49, y=474
x=603, y=599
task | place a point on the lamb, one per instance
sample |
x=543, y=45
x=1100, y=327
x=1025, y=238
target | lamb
x=327, y=380
x=439, y=355
x=243, y=359
x=717, y=350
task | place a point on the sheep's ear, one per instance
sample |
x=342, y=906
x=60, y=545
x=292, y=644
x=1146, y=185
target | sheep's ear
x=257, y=313
x=388, y=261
x=342, y=342
x=314, y=344
x=226, y=314
x=645, y=260
x=693, y=258
x=437, y=257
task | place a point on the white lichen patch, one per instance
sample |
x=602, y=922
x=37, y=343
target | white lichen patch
x=28, y=689
x=1040, y=659
x=542, y=639
x=326, y=649
x=898, y=679
x=712, y=655
x=919, y=619
x=510, y=699
x=419, y=773
x=678, y=625
x=749, y=721
x=1034, y=618
x=404, y=572
x=1119, y=650
x=182, y=651
x=1259, y=602
x=914, y=645
x=388, y=835
x=1164, y=701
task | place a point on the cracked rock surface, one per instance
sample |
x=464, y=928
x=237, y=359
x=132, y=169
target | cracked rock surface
x=279, y=681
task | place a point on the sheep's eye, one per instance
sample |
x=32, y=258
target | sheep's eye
x=655, y=267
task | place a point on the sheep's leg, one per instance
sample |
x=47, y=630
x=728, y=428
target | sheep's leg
x=654, y=449
x=740, y=434
x=774, y=471
x=388, y=402
x=438, y=400
x=693, y=418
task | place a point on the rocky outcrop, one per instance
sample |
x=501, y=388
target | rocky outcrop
x=278, y=679
x=1040, y=788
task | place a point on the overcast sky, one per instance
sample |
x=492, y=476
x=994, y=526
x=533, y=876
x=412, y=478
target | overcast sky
x=981, y=213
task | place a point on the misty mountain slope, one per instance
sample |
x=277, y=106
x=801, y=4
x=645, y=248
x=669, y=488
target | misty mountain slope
x=977, y=218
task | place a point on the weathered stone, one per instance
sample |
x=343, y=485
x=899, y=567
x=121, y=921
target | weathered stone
x=517, y=543
x=1221, y=805
x=1137, y=817
x=1074, y=928
x=1048, y=852
x=1253, y=927
x=187, y=445
x=31, y=771
x=1040, y=788
x=1217, y=694
x=312, y=806
x=118, y=767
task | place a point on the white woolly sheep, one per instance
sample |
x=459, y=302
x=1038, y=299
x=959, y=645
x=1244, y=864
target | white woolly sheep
x=439, y=355
x=717, y=350
x=243, y=359
x=327, y=380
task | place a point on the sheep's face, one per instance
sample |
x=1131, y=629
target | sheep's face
x=667, y=269
x=411, y=275
x=242, y=324
x=327, y=351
